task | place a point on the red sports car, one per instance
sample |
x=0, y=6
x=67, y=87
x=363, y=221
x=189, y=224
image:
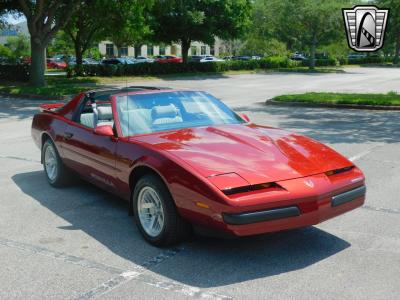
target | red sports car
x=163, y=59
x=183, y=159
x=56, y=64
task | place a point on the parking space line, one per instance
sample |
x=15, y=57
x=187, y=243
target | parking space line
x=382, y=209
x=126, y=276
x=121, y=276
x=365, y=152
x=83, y=262
x=19, y=158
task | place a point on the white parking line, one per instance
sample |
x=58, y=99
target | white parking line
x=365, y=152
x=139, y=272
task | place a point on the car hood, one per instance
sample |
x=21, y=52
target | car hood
x=256, y=153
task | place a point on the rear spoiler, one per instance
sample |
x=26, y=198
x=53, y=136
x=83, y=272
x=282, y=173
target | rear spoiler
x=51, y=107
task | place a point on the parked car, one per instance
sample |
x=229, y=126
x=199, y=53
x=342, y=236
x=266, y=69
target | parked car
x=162, y=59
x=196, y=58
x=357, y=56
x=56, y=64
x=183, y=158
x=118, y=61
x=210, y=59
x=298, y=56
x=143, y=59
x=241, y=57
x=85, y=61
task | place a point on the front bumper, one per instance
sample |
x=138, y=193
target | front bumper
x=301, y=214
x=291, y=211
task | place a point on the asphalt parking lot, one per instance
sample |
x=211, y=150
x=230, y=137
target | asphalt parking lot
x=80, y=243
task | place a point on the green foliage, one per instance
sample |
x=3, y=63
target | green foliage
x=342, y=98
x=193, y=20
x=19, y=46
x=192, y=67
x=5, y=52
x=322, y=62
x=61, y=44
x=392, y=37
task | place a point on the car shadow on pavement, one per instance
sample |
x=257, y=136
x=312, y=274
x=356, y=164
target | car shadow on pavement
x=330, y=125
x=203, y=262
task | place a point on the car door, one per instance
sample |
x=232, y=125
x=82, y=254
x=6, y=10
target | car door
x=91, y=155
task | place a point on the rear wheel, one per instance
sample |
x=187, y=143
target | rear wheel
x=56, y=173
x=155, y=213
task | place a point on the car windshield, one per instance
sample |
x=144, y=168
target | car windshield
x=147, y=113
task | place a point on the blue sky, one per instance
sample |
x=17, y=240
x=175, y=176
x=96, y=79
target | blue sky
x=13, y=19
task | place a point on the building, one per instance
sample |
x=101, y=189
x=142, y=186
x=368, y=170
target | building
x=108, y=49
x=13, y=31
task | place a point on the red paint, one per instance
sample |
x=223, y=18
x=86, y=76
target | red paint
x=197, y=163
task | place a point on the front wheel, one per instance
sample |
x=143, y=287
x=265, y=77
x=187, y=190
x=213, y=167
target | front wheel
x=155, y=213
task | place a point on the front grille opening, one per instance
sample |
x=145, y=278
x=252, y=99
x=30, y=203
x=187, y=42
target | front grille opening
x=250, y=188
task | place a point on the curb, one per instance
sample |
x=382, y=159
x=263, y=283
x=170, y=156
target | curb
x=327, y=105
x=34, y=96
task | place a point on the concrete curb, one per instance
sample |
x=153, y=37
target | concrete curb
x=326, y=105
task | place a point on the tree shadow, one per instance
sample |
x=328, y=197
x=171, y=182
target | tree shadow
x=331, y=125
x=204, y=262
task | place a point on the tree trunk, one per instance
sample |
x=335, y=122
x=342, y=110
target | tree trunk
x=185, y=49
x=78, y=53
x=118, y=51
x=397, y=51
x=38, y=63
x=313, y=50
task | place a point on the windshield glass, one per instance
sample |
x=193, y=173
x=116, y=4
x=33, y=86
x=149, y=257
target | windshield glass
x=147, y=113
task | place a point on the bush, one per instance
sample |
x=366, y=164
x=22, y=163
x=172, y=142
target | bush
x=171, y=68
x=322, y=62
x=372, y=59
x=14, y=72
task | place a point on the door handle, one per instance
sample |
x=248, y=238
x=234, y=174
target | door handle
x=68, y=135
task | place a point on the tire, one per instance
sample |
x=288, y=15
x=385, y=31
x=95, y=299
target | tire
x=169, y=228
x=56, y=172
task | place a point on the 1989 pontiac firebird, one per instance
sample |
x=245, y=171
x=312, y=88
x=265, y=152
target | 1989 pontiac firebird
x=184, y=159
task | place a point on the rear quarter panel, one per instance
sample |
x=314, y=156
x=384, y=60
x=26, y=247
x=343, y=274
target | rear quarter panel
x=51, y=124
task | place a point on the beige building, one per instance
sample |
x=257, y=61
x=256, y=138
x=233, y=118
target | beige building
x=108, y=49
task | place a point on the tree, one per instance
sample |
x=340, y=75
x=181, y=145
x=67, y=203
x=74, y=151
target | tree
x=199, y=20
x=44, y=18
x=127, y=22
x=86, y=26
x=61, y=44
x=392, y=37
x=19, y=45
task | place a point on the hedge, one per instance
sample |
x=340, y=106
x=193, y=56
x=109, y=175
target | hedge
x=174, y=68
x=14, y=72
x=372, y=59
x=321, y=62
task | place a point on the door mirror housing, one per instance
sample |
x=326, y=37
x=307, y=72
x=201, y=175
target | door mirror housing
x=245, y=117
x=104, y=130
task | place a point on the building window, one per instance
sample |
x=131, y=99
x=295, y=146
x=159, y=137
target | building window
x=109, y=50
x=162, y=50
x=123, y=51
x=193, y=50
x=212, y=50
x=150, y=50
x=203, y=50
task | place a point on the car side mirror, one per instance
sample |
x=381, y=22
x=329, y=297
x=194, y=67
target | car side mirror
x=104, y=130
x=245, y=117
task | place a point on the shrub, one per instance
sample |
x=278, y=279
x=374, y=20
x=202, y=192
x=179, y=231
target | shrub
x=171, y=68
x=322, y=62
x=14, y=72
